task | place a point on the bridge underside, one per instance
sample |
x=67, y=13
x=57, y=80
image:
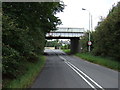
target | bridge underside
x=75, y=43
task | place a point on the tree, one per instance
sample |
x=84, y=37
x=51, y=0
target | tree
x=106, y=37
x=107, y=34
x=84, y=41
x=24, y=27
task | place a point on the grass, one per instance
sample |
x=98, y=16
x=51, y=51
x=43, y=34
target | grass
x=104, y=61
x=27, y=79
x=107, y=62
x=66, y=50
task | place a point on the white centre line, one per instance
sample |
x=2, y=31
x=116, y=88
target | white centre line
x=83, y=77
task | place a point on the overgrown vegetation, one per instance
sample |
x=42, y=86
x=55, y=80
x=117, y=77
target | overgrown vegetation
x=106, y=37
x=105, y=61
x=66, y=51
x=24, y=25
x=54, y=43
x=26, y=80
x=105, y=48
x=66, y=46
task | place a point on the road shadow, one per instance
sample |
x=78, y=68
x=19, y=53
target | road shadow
x=56, y=54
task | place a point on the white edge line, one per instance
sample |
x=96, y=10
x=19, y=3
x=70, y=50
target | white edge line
x=82, y=73
x=87, y=76
x=81, y=76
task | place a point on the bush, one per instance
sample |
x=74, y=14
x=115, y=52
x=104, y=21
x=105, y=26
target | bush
x=22, y=39
x=107, y=35
x=10, y=61
x=32, y=57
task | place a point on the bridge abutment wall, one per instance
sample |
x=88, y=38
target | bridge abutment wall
x=75, y=45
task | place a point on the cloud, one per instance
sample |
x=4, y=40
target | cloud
x=74, y=16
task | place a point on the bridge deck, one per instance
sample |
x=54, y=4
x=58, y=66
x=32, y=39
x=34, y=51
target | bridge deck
x=62, y=37
x=65, y=33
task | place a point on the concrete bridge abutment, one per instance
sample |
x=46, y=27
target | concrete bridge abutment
x=75, y=45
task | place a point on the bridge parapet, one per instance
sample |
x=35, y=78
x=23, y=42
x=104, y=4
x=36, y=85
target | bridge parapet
x=66, y=32
x=66, y=29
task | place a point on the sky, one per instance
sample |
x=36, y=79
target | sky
x=74, y=16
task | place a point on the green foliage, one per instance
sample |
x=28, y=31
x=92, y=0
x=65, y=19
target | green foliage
x=84, y=41
x=105, y=39
x=54, y=43
x=66, y=51
x=24, y=27
x=11, y=60
x=110, y=63
x=35, y=14
x=33, y=69
x=32, y=57
x=14, y=36
x=107, y=35
x=66, y=46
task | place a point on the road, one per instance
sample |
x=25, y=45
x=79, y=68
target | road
x=65, y=71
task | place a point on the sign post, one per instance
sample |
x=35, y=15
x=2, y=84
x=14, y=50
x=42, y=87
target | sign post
x=89, y=43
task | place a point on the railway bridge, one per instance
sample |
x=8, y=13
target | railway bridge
x=74, y=34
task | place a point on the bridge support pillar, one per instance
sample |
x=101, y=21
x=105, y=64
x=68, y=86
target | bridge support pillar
x=75, y=45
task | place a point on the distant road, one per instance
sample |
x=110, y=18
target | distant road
x=63, y=71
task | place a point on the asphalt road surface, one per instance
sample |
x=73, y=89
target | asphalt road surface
x=65, y=71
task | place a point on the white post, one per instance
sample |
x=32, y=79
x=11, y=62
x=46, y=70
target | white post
x=90, y=27
x=89, y=31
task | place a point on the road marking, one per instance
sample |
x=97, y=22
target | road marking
x=83, y=77
x=63, y=58
x=87, y=76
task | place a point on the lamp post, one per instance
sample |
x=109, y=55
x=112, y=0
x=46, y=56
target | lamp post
x=90, y=21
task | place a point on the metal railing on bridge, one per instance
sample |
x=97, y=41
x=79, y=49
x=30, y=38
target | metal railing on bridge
x=66, y=32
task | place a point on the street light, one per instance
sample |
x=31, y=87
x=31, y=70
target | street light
x=89, y=42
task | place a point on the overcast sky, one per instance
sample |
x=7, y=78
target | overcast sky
x=74, y=16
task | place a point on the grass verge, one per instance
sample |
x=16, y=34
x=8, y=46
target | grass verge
x=27, y=79
x=66, y=50
x=107, y=62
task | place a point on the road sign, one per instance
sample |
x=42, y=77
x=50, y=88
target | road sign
x=89, y=43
